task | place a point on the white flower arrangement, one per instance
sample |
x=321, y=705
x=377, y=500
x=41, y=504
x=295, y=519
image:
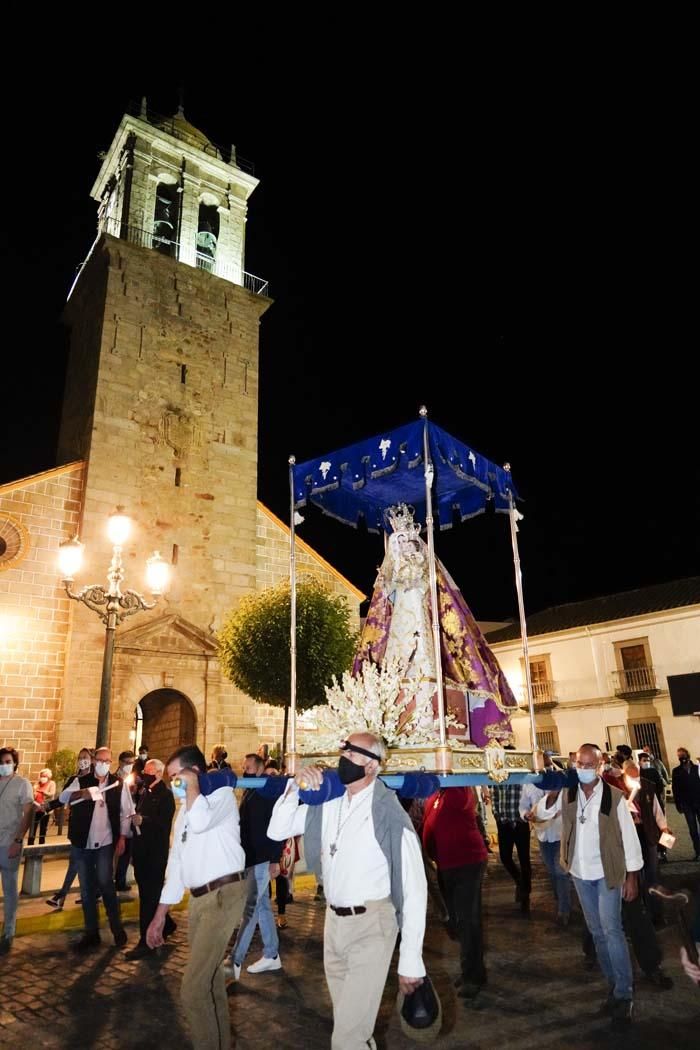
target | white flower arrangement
x=373, y=702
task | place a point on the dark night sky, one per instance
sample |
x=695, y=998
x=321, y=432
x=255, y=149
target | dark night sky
x=511, y=255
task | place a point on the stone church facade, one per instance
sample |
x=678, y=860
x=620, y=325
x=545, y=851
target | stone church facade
x=161, y=417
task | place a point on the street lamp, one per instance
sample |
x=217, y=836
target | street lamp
x=112, y=605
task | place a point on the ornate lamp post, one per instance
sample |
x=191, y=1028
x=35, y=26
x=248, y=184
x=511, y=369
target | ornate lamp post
x=112, y=604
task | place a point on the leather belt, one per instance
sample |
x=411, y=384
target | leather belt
x=360, y=910
x=199, y=891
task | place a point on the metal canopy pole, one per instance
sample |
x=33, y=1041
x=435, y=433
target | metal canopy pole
x=444, y=752
x=513, y=515
x=291, y=756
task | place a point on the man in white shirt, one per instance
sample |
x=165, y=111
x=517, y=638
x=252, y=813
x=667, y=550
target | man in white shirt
x=16, y=809
x=101, y=811
x=600, y=849
x=207, y=858
x=364, y=849
x=549, y=840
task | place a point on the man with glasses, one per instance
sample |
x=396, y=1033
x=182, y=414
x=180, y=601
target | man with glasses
x=364, y=848
x=601, y=851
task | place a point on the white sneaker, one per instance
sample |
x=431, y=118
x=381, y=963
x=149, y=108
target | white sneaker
x=265, y=964
x=232, y=972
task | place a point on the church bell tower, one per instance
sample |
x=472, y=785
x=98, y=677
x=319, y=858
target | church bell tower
x=161, y=401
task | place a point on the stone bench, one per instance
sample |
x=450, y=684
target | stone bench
x=33, y=857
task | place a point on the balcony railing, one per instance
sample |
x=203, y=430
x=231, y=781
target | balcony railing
x=543, y=695
x=164, y=246
x=635, y=683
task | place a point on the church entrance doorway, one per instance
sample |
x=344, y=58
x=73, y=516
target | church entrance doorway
x=165, y=720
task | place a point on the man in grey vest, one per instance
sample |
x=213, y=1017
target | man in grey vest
x=601, y=851
x=364, y=849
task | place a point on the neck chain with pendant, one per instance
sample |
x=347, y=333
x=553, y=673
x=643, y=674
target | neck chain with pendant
x=339, y=828
x=583, y=808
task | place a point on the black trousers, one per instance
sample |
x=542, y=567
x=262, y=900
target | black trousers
x=149, y=871
x=510, y=834
x=462, y=889
x=40, y=821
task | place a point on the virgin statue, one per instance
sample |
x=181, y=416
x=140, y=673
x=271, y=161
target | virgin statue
x=399, y=627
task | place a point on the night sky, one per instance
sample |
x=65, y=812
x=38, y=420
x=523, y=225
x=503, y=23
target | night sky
x=514, y=257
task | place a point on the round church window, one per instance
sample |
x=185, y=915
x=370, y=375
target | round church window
x=14, y=542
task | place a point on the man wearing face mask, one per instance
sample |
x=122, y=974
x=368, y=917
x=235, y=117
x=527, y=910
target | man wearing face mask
x=16, y=809
x=364, y=849
x=101, y=809
x=154, y=815
x=207, y=858
x=601, y=851
x=142, y=759
x=685, y=780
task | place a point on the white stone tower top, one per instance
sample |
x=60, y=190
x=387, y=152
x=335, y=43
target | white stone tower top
x=165, y=186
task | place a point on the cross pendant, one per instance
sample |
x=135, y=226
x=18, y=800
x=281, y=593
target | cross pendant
x=582, y=819
x=334, y=849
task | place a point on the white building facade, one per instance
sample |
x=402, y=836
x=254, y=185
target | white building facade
x=600, y=670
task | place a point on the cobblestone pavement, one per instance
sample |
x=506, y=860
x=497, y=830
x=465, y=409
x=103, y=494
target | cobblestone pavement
x=538, y=993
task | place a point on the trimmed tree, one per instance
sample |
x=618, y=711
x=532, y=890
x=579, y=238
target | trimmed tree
x=254, y=644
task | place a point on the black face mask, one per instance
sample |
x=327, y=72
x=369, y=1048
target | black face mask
x=349, y=771
x=148, y=778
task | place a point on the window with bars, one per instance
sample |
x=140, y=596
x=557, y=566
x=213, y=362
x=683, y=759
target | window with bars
x=547, y=740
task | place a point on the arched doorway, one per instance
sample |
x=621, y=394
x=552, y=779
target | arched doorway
x=165, y=719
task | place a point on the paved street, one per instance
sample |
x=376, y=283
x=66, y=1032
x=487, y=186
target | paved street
x=538, y=995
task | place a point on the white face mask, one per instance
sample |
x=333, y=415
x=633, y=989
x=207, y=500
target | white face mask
x=84, y=763
x=6, y=769
x=102, y=769
x=42, y=780
x=127, y=769
x=143, y=755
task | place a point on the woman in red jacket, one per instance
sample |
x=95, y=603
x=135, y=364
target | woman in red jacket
x=452, y=839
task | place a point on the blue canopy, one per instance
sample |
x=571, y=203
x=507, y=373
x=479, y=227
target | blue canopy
x=362, y=480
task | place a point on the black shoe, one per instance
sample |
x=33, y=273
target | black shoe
x=659, y=979
x=5, y=945
x=139, y=952
x=120, y=937
x=621, y=1013
x=87, y=942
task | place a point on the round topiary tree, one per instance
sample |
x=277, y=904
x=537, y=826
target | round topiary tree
x=254, y=644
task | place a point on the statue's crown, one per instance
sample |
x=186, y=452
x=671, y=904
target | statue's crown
x=400, y=517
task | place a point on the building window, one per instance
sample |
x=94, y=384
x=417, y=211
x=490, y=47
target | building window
x=548, y=740
x=541, y=679
x=635, y=675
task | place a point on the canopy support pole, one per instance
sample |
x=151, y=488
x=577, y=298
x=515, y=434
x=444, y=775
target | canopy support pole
x=444, y=753
x=292, y=756
x=513, y=515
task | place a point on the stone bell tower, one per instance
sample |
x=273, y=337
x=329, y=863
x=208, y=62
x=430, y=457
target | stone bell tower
x=161, y=402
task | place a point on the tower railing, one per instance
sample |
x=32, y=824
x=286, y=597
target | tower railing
x=145, y=238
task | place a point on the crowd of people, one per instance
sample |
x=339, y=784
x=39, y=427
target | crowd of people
x=601, y=830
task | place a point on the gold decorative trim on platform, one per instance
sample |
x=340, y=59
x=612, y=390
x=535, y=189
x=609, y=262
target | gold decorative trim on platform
x=14, y=542
x=493, y=761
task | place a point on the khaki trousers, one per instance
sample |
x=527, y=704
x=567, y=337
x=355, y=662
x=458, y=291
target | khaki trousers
x=357, y=951
x=212, y=919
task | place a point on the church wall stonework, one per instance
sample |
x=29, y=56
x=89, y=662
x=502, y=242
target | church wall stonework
x=35, y=613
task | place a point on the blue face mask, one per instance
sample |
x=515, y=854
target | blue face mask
x=586, y=776
x=179, y=790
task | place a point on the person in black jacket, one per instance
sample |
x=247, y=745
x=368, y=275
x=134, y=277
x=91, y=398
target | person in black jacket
x=262, y=855
x=218, y=758
x=685, y=780
x=150, y=844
